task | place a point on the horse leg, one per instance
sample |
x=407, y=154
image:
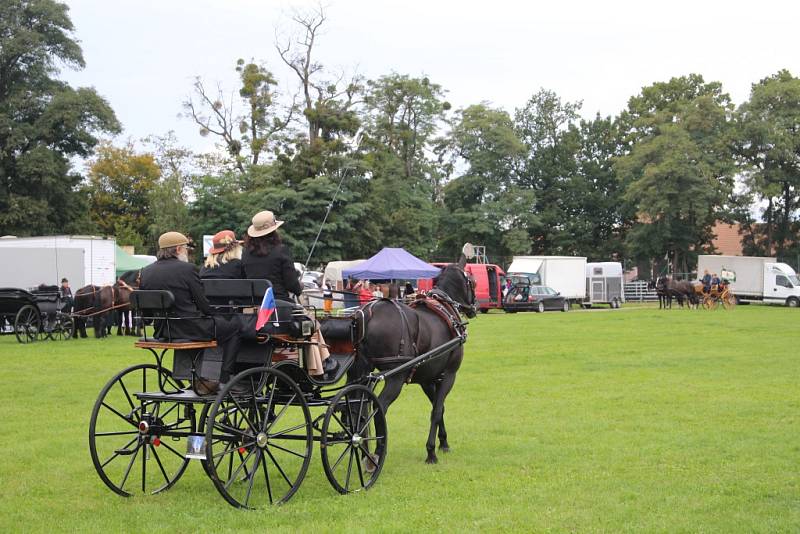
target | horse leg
x=120, y=322
x=392, y=389
x=430, y=389
x=437, y=415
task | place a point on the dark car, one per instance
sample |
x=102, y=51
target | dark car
x=524, y=297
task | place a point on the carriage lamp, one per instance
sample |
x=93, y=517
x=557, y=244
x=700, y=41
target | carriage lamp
x=143, y=427
x=307, y=327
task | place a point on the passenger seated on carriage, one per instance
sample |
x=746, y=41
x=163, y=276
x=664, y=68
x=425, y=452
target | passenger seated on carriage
x=706, y=282
x=173, y=272
x=715, y=281
x=265, y=257
x=225, y=257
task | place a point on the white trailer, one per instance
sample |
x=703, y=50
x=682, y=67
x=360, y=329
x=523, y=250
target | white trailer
x=565, y=274
x=99, y=255
x=754, y=278
x=604, y=284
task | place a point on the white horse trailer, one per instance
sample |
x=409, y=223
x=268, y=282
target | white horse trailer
x=604, y=284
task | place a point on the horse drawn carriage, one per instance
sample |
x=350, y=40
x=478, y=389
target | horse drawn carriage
x=718, y=294
x=34, y=315
x=254, y=438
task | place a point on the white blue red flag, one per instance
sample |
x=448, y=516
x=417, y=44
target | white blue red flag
x=266, y=310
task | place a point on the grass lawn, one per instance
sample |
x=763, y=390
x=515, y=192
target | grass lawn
x=629, y=420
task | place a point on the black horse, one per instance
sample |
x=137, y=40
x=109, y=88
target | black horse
x=681, y=290
x=664, y=298
x=394, y=333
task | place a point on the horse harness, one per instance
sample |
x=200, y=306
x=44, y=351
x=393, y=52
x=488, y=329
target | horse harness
x=436, y=301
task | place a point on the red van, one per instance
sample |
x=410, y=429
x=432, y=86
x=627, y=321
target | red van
x=488, y=284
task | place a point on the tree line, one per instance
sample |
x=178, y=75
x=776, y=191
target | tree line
x=394, y=162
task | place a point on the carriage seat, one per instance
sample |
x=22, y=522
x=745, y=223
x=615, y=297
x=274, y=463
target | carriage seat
x=159, y=305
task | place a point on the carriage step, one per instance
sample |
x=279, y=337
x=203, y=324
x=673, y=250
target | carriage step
x=124, y=452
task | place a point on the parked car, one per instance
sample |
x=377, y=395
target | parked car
x=526, y=297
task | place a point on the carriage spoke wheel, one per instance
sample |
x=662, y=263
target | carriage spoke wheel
x=258, y=441
x=138, y=446
x=353, y=441
x=27, y=324
x=62, y=327
x=710, y=303
x=728, y=301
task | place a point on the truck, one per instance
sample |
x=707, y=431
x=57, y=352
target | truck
x=565, y=274
x=46, y=259
x=488, y=279
x=754, y=279
x=604, y=284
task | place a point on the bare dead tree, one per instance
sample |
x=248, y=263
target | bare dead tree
x=317, y=93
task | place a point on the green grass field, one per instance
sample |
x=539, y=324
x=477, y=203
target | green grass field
x=600, y=421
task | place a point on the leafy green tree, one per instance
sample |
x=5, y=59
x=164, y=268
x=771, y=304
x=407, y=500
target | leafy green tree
x=679, y=167
x=547, y=127
x=604, y=218
x=400, y=121
x=43, y=121
x=768, y=145
x=482, y=204
x=121, y=182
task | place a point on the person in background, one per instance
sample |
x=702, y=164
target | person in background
x=409, y=290
x=65, y=293
x=265, y=257
x=376, y=291
x=362, y=289
x=224, y=258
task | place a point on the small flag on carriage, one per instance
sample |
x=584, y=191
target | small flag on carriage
x=266, y=310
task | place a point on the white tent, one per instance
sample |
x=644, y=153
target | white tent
x=333, y=271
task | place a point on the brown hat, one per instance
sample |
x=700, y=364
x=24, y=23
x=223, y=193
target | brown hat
x=221, y=241
x=172, y=239
x=263, y=223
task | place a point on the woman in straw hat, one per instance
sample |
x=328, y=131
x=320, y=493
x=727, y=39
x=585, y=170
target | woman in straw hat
x=265, y=257
x=225, y=257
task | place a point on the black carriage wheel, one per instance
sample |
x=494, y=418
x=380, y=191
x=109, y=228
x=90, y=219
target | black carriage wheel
x=259, y=440
x=353, y=441
x=27, y=324
x=62, y=327
x=138, y=446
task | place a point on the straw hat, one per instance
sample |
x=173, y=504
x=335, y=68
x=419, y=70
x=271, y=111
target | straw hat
x=263, y=223
x=172, y=239
x=221, y=241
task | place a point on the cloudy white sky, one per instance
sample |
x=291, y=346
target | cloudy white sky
x=143, y=55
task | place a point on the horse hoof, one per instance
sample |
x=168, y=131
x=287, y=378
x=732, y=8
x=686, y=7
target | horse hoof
x=431, y=460
x=444, y=448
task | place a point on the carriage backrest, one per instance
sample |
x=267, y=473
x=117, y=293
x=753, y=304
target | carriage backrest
x=235, y=292
x=150, y=303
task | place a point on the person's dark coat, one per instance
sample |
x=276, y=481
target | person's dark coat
x=231, y=270
x=277, y=267
x=182, y=280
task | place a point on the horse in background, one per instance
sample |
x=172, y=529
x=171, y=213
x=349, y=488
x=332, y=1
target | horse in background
x=392, y=333
x=93, y=302
x=664, y=298
x=126, y=283
x=103, y=304
x=678, y=289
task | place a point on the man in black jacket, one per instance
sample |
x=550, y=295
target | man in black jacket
x=173, y=272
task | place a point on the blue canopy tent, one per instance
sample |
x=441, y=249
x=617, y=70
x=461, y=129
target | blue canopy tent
x=392, y=264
